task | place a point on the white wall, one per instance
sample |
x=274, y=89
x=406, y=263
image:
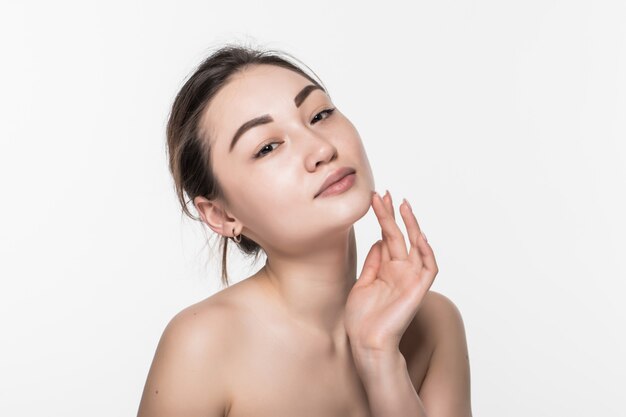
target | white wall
x=503, y=122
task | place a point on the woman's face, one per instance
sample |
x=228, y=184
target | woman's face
x=274, y=170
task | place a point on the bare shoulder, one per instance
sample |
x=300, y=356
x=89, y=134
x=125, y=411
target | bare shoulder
x=436, y=314
x=439, y=313
x=189, y=372
x=445, y=388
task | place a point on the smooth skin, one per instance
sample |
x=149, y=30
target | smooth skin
x=296, y=338
x=210, y=356
x=380, y=308
x=392, y=284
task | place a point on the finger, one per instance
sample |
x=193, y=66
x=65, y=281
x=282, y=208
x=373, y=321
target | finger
x=414, y=233
x=420, y=252
x=389, y=204
x=392, y=235
x=383, y=247
x=371, y=264
x=384, y=251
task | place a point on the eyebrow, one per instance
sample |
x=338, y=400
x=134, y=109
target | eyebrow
x=266, y=118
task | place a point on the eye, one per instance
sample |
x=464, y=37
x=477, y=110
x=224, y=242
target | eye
x=259, y=154
x=318, y=117
x=328, y=112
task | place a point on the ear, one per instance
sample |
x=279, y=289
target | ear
x=215, y=216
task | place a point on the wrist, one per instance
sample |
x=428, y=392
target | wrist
x=372, y=364
x=388, y=385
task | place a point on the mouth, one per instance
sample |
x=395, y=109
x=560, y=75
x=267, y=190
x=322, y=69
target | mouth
x=338, y=181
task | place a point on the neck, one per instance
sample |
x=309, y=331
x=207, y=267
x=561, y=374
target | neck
x=312, y=288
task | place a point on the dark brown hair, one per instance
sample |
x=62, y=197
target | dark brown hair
x=187, y=143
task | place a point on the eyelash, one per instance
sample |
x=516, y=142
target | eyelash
x=327, y=111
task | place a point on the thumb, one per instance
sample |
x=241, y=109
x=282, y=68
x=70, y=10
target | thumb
x=371, y=264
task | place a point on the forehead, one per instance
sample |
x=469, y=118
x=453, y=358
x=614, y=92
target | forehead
x=257, y=90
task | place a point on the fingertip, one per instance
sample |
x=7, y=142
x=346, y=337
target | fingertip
x=379, y=198
x=407, y=204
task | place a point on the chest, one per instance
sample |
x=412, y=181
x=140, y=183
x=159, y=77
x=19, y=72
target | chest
x=270, y=378
x=277, y=371
x=274, y=382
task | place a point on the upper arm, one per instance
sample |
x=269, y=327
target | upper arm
x=187, y=376
x=445, y=391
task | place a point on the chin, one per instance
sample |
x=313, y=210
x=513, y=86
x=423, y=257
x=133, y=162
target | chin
x=354, y=207
x=363, y=206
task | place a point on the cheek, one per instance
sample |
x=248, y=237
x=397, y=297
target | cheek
x=350, y=138
x=269, y=194
x=354, y=147
x=358, y=154
x=272, y=213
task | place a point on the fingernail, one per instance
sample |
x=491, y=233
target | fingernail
x=407, y=203
x=424, y=236
x=387, y=192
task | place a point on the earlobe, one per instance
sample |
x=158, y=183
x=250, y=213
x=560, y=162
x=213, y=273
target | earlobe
x=214, y=216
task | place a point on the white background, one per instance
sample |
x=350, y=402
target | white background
x=504, y=123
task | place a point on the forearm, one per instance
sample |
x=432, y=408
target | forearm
x=386, y=379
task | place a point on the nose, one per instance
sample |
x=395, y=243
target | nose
x=318, y=149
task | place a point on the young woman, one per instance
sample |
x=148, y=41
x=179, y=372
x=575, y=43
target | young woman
x=271, y=163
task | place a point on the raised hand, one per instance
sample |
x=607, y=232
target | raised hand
x=392, y=284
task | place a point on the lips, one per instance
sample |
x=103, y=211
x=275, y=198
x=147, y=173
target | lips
x=334, y=177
